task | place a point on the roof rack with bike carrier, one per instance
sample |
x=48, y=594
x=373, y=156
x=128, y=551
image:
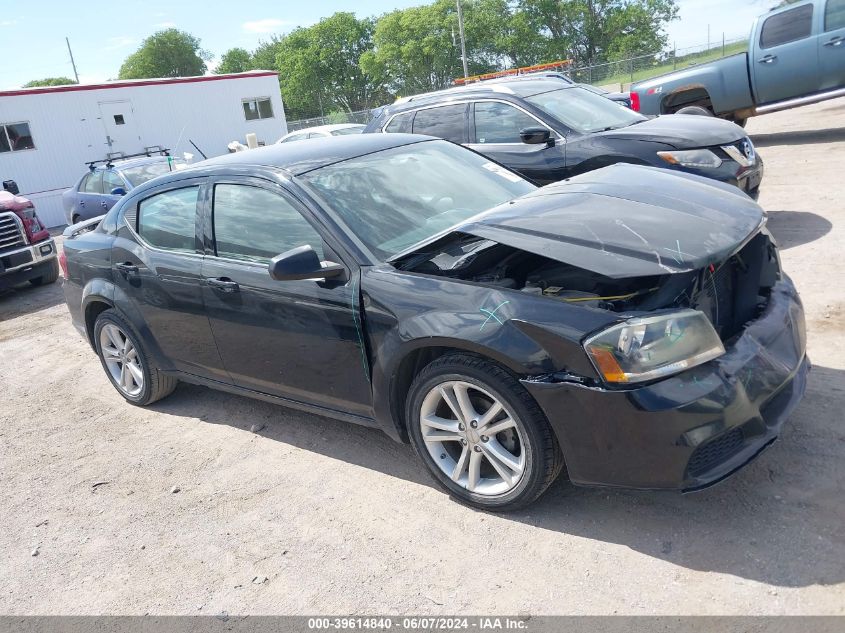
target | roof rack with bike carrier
x=113, y=156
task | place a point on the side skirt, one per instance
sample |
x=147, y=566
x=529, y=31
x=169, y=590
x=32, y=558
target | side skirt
x=285, y=402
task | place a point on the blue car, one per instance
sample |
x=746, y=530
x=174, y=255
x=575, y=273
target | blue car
x=103, y=185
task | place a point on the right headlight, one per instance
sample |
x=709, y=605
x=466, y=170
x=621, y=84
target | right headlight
x=700, y=158
x=643, y=349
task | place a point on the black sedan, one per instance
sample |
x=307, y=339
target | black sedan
x=632, y=324
x=548, y=130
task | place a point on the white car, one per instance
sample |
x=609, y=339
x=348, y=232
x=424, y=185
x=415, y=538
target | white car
x=322, y=131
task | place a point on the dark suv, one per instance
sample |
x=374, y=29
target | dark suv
x=548, y=130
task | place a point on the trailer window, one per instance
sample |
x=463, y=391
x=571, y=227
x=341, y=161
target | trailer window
x=789, y=26
x=15, y=137
x=258, y=108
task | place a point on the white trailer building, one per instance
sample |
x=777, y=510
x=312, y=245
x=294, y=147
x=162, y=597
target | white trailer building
x=48, y=134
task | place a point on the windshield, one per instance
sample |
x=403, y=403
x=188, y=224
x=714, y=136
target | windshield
x=399, y=197
x=585, y=111
x=140, y=174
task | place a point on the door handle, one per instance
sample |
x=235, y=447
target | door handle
x=127, y=267
x=223, y=284
x=82, y=203
x=103, y=204
x=768, y=59
x=836, y=41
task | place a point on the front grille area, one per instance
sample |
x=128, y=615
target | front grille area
x=715, y=452
x=11, y=235
x=736, y=291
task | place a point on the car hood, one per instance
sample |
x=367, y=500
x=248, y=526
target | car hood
x=681, y=131
x=625, y=221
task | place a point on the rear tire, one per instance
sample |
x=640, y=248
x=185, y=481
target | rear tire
x=504, y=469
x=127, y=363
x=697, y=110
x=49, y=277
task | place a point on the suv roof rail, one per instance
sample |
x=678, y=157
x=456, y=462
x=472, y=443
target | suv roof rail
x=455, y=90
x=111, y=157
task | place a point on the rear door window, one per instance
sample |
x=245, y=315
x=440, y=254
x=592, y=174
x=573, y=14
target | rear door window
x=834, y=15
x=168, y=220
x=401, y=123
x=789, y=26
x=448, y=122
x=93, y=183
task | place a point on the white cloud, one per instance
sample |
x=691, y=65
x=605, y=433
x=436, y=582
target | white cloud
x=8, y=22
x=267, y=25
x=166, y=25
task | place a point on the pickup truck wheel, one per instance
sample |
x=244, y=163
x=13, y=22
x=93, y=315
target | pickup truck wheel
x=48, y=277
x=694, y=110
x=127, y=363
x=481, y=434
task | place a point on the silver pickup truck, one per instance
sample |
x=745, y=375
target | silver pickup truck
x=796, y=56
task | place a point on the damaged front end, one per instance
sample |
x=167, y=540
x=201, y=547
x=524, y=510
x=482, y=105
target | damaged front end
x=704, y=357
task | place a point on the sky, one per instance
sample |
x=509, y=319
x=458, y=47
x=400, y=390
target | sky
x=103, y=34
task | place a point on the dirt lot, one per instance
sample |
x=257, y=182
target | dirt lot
x=340, y=519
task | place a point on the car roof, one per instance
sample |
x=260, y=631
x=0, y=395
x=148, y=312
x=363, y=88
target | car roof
x=516, y=86
x=299, y=158
x=117, y=163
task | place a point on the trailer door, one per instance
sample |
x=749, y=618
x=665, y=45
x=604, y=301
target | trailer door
x=122, y=131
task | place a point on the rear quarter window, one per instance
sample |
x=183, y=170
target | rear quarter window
x=789, y=26
x=401, y=123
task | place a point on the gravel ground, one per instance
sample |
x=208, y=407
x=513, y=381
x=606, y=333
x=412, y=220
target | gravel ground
x=180, y=509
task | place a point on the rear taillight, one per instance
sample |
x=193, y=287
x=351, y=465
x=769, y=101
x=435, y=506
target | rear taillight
x=63, y=263
x=635, y=101
x=35, y=231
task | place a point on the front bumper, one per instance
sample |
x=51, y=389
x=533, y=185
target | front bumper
x=23, y=264
x=694, y=429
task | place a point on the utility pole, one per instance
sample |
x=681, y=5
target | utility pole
x=463, y=41
x=72, y=63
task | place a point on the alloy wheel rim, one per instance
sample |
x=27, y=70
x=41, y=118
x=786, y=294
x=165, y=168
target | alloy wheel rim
x=122, y=360
x=472, y=438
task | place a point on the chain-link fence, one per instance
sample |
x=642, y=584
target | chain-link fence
x=627, y=71
x=361, y=116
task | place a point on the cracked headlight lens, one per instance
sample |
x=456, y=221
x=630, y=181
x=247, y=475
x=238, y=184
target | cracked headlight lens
x=643, y=349
x=692, y=158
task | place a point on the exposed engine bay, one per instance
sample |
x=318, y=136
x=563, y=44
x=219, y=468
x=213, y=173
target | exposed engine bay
x=731, y=292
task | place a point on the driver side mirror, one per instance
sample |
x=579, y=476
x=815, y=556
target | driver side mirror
x=536, y=136
x=118, y=191
x=302, y=262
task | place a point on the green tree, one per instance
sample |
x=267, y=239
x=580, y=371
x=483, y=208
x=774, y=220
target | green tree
x=168, y=53
x=414, y=50
x=319, y=67
x=235, y=60
x=264, y=56
x=49, y=81
x=594, y=31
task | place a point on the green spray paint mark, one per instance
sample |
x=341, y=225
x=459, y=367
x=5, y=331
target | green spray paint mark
x=492, y=315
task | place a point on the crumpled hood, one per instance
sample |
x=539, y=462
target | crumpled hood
x=681, y=131
x=626, y=221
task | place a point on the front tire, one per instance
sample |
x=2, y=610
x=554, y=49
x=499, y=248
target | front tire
x=126, y=362
x=480, y=433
